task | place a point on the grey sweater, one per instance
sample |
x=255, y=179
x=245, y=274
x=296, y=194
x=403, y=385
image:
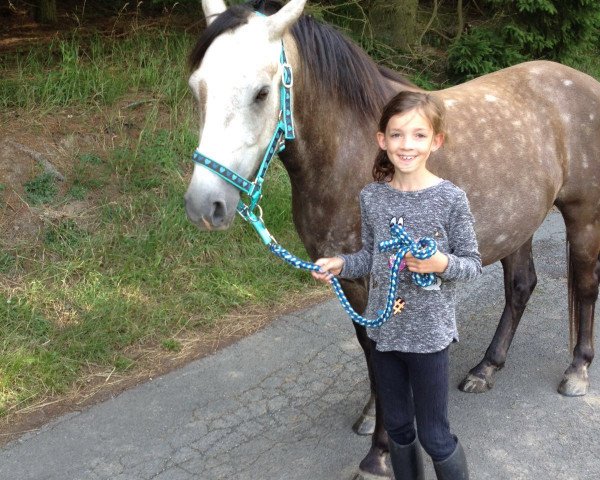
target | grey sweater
x=424, y=319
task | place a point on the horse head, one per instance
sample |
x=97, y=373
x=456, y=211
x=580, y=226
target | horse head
x=236, y=82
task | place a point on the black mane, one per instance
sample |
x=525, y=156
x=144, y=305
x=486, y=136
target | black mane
x=332, y=62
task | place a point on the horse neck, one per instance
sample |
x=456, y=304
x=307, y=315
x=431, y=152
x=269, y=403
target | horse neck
x=328, y=164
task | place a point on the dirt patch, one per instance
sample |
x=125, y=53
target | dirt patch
x=53, y=143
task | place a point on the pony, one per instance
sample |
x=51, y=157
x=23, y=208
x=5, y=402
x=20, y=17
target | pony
x=522, y=140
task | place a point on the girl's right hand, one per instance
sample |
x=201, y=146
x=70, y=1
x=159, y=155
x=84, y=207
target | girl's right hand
x=329, y=268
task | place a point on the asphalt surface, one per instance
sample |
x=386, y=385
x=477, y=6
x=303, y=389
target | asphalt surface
x=280, y=404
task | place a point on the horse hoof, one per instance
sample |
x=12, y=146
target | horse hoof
x=373, y=467
x=474, y=384
x=365, y=425
x=574, y=384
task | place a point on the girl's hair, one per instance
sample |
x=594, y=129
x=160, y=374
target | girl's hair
x=427, y=105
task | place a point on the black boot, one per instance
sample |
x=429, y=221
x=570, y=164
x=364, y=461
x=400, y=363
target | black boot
x=406, y=461
x=454, y=467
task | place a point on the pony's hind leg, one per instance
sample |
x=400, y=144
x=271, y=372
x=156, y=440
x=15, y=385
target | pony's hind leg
x=584, y=271
x=519, y=281
x=373, y=465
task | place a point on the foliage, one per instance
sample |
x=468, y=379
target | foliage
x=523, y=30
x=551, y=28
x=479, y=52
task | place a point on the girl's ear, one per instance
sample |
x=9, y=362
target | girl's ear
x=438, y=141
x=381, y=140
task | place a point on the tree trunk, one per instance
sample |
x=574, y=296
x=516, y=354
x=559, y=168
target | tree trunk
x=395, y=22
x=45, y=11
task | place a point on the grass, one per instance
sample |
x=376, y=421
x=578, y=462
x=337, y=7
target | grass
x=132, y=271
x=96, y=70
x=140, y=274
x=41, y=189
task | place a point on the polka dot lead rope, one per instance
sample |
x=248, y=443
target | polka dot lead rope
x=402, y=243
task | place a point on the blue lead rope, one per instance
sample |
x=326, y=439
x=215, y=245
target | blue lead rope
x=402, y=243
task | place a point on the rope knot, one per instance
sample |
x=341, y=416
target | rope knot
x=402, y=243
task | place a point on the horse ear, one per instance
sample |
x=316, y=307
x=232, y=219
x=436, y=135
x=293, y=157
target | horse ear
x=212, y=8
x=285, y=18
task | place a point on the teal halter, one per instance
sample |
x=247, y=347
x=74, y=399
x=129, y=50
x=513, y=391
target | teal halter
x=400, y=242
x=283, y=131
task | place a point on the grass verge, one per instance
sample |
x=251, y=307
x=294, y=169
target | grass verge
x=129, y=270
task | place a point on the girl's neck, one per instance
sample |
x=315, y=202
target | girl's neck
x=411, y=183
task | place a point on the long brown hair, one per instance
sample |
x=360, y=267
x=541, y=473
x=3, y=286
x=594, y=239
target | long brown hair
x=427, y=105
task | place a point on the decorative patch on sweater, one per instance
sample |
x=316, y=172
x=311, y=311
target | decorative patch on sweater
x=399, y=305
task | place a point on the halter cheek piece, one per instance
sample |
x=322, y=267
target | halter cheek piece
x=400, y=241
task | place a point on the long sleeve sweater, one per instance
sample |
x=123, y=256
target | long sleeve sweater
x=424, y=318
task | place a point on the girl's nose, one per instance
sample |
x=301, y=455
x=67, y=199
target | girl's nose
x=406, y=143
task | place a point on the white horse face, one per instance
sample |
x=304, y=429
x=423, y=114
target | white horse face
x=237, y=89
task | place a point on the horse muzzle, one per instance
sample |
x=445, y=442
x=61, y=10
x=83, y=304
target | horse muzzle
x=209, y=214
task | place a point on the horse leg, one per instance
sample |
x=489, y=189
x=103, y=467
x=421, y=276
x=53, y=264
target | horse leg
x=519, y=281
x=583, y=236
x=371, y=420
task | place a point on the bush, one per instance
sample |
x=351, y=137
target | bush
x=480, y=51
x=525, y=30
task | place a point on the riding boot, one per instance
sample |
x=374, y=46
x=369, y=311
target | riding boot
x=406, y=461
x=454, y=467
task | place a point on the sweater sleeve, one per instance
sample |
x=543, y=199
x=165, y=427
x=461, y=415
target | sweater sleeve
x=359, y=264
x=464, y=260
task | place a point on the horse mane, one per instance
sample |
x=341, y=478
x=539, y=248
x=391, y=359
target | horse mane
x=332, y=63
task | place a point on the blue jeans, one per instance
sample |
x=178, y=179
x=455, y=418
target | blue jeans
x=415, y=386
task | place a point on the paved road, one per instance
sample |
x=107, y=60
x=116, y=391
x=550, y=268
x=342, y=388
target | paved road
x=280, y=404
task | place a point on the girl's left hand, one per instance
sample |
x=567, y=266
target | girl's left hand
x=437, y=263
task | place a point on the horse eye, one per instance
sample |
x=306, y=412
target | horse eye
x=262, y=94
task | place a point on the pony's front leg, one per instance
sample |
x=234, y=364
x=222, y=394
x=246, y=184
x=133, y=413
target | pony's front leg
x=519, y=281
x=371, y=420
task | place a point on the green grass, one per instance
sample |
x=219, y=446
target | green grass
x=41, y=189
x=132, y=270
x=140, y=275
x=97, y=70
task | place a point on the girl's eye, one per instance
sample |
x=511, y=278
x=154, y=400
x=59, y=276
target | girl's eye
x=262, y=94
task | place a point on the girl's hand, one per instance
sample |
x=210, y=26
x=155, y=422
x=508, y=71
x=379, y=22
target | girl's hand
x=329, y=267
x=437, y=263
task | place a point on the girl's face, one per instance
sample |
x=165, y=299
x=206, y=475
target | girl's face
x=409, y=140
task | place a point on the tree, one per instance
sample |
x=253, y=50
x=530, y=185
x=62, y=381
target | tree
x=395, y=21
x=45, y=11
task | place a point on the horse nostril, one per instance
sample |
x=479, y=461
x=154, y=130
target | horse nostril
x=218, y=213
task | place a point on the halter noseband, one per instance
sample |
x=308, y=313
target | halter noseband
x=283, y=131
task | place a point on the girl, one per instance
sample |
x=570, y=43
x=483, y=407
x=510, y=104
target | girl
x=410, y=350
